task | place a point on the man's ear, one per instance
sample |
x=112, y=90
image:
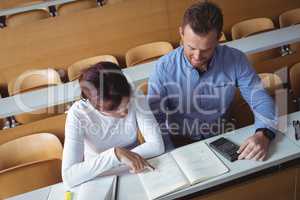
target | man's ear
x=219, y=36
x=181, y=31
x=181, y=35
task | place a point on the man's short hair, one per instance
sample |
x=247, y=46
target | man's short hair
x=203, y=17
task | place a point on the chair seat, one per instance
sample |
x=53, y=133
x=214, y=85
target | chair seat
x=28, y=177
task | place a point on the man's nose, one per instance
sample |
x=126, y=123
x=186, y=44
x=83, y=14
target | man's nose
x=197, y=55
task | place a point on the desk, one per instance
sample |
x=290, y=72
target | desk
x=70, y=91
x=46, y=4
x=282, y=150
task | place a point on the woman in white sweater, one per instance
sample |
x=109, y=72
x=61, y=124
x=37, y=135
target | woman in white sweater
x=101, y=129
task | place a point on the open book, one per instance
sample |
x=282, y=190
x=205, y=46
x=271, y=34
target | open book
x=99, y=188
x=181, y=168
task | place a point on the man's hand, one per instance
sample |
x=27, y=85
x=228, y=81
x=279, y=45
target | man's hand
x=134, y=161
x=255, y=147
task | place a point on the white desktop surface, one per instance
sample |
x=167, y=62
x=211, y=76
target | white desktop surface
x=40, y=194
x=24, y=8
x=289, y=131
x=282, y=149
x=95, y=189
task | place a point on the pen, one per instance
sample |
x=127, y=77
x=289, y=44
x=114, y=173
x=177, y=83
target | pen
x=68, y=195
x=151, y=168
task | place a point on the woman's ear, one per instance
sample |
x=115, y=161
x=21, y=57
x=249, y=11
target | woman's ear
x=87, y=89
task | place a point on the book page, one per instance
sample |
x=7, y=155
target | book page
x=166, y=178
x=57, y=192
x=198, y=162
x=42, y=194
x=99, y=188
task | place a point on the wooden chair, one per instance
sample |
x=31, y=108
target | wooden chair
x=147, y=52
x=75, y=69
x=251, y=27
x=143, y=87
x=32, y=80
x=28, y=163
x=271, y=82
x=28, y=177
x=223, y=38
x=295, y=80
x=27, y=17
x=289, y=18
x=54, y=125
x=140, y=137
x=1, y=123
x=111, y=2
x=1, y=120
x=30, y=148
x=76, y=6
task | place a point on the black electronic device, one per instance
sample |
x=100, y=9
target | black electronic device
x=296, y=125
x=226, y=148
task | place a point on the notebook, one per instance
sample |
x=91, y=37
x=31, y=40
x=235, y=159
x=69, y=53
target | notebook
x=100, y=188
x=181, y=168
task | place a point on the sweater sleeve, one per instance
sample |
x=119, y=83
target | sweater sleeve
x=149, y=128
x=75, y=168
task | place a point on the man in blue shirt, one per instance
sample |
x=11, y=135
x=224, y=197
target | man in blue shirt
x=193, y=86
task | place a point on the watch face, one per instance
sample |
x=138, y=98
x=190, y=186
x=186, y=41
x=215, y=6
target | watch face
x=270, y=135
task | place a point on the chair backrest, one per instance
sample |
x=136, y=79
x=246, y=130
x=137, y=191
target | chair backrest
x=27, y=17
x=289, y=18
x=110, y=2
x=250, y=27
x=33, y=79
x=28, y=177
x=1, y=123
x=147, y=52
x=76, y=6
x=1, y=120
x=75, y=69
x=295, y=79
x=271, y=82
x=143, y=87
x=28, y=149
x=223, y=38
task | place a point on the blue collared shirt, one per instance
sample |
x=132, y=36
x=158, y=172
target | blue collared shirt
x=188, y=102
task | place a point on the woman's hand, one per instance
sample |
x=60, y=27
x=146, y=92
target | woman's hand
x=133, y=160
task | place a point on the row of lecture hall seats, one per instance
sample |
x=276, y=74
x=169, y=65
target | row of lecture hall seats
x=36, y=79
x=144, y=53
x=58, y=10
